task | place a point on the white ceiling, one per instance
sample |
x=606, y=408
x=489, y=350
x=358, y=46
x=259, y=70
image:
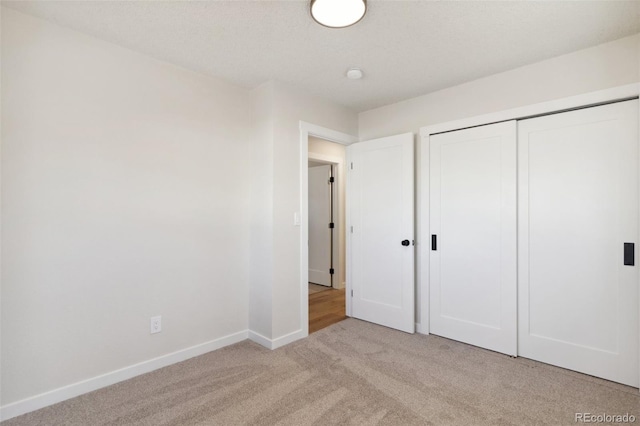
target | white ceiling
x=406, y=48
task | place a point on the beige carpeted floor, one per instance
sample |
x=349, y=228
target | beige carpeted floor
x=352, y=373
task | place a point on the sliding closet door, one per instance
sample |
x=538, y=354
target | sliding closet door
x=578, y=210
x=473, y=222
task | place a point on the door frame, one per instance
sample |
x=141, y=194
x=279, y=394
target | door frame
x=306, y=130
x=615, y=94
x=338, y=173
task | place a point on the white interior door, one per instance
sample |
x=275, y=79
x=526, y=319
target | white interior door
x=473, y=221
x=381, y=232
x=319, y=231
x=578, y=205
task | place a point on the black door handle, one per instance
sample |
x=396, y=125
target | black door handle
x=629, y=254
x=405, y=242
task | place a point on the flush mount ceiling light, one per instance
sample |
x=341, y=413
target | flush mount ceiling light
x=338, y=13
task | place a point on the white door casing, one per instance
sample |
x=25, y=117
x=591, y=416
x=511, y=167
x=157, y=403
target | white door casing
x=578, y=205
x=319, y=231
x=381, y=217
x=473, y=218
x=302, y=218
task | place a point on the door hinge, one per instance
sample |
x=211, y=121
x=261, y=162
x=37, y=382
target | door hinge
x=331, y=271
x=351, y=293
x=331, y=179
x=352, y=229
x=351, y=165
x=332, y=225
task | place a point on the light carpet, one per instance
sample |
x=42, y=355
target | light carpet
x=352, y=373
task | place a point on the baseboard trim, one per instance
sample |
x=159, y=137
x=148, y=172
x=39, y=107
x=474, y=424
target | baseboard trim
x=288, y=338
x=260, y=339
x=420, y=329
x=278, y=342
x=76, y=389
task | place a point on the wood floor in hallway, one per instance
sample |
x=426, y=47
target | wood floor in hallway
x=326, y=308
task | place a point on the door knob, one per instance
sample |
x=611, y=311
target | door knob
x=405, y=242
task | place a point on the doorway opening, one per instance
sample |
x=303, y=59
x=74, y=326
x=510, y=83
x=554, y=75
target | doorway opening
x=326, y=225
x=322, y=218
x=314, y=135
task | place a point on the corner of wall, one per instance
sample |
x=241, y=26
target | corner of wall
x=261, y=228
x=275, y=311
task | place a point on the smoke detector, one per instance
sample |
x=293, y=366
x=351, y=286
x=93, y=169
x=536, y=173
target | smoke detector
x=354, y=74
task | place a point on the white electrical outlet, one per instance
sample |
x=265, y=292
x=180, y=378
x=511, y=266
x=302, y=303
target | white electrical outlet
x=156, y=324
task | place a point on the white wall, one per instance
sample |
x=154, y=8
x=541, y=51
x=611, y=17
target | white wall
x=125, y=194
x=596, y=68
x=335, y=150
x=261, y=169
x=284, y=107
x=290, y=107
x=1, y=9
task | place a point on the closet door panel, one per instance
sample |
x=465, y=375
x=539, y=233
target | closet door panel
x=473, y=219
x=578, y=205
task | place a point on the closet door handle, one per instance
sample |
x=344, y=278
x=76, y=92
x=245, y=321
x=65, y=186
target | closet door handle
x=629, y=254
x=434, y=242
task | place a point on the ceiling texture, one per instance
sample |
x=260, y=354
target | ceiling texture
x=405, y=48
